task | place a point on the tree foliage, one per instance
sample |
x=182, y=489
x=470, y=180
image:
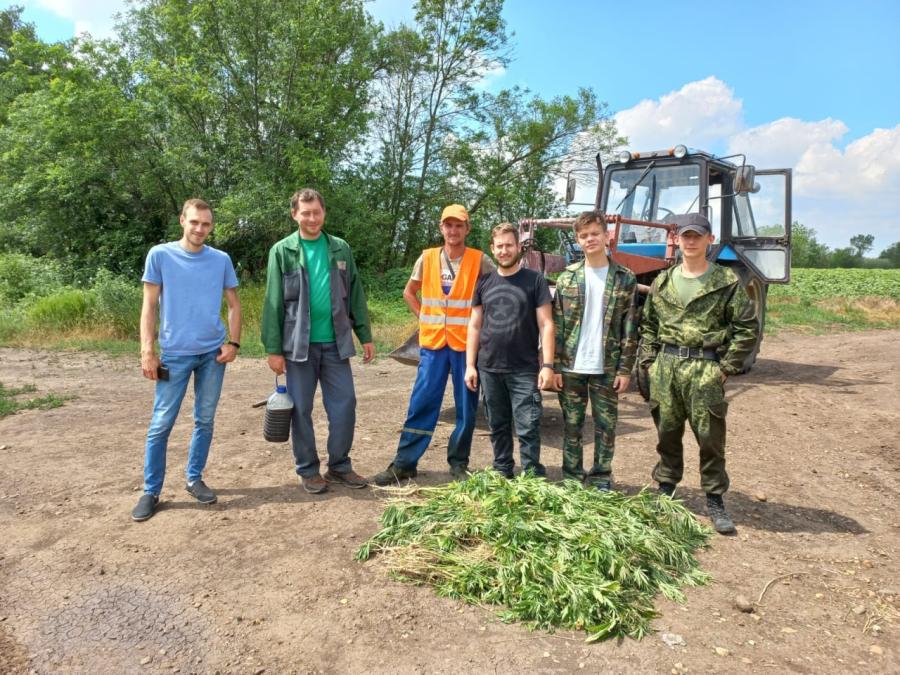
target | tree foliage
x=241, y=103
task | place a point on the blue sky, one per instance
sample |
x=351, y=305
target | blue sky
x=810, y=85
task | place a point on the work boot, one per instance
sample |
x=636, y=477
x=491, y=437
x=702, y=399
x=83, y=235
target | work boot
x=715, y=507
x=667, y=489
x=314, y=485
x=459, y=471
x=145, y=508
x=201, y=492
x=349, y=479
x=393, y=475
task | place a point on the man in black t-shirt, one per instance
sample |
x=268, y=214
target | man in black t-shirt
x=511, y=321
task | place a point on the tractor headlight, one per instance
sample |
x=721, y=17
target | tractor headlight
x=624, y=156
x=680, y=151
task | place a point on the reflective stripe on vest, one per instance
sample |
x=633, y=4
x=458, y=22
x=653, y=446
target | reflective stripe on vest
x=443, y=319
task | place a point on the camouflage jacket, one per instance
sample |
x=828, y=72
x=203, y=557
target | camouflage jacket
x=619, y=318
x=721, y=316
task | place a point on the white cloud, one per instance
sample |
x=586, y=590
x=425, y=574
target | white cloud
x=699, y=115
x=839, y=192
x=89, y=16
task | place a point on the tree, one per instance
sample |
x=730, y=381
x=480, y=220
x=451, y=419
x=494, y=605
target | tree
x=806, y=251
x=862, y=243
x=892, y=254
x=845, y=258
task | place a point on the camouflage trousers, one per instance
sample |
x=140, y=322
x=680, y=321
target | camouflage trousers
x=689, y=390
x=577, y=390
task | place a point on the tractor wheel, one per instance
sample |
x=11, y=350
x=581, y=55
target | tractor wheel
x=757, y=289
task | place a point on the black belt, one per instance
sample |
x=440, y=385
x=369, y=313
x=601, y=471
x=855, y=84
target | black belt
x=691, y=352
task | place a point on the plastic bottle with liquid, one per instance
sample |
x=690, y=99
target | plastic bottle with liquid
x=277, y=421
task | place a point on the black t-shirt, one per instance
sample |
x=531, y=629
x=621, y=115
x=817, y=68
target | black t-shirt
x=509, y=330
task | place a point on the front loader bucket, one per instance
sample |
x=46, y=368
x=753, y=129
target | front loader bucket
x=408, y=352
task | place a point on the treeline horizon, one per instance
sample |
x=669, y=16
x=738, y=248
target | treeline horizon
x=241, y=104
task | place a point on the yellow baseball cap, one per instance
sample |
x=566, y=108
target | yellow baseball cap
x=455, y=211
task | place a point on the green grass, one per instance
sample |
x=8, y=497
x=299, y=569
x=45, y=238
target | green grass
x=11, y=400
x=831, y=300
x=105, y=318
x=551, y=555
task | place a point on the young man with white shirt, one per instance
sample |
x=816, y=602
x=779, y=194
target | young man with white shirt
x=596, y=341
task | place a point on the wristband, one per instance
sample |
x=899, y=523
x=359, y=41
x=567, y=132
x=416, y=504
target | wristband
x=236, y=345
x=547, y=365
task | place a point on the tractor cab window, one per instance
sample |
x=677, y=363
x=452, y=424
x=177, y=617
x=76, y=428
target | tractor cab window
x=656, y=195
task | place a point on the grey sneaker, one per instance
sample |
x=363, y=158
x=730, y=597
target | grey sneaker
x=314, y=485
x=201, y=493
x=349, y=479
x=145, y=508
x=715, y=507
x=459, y=471
x=393, y=475
x=601, y=485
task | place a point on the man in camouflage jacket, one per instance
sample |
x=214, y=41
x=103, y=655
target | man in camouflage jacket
x=606, y=332
x=698, y=328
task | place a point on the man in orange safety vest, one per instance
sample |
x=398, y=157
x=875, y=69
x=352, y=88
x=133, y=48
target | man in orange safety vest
x=439, y=292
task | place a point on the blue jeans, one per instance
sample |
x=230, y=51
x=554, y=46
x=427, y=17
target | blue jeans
x=208, y=376
x=513, y=399
x=324, y=366
x=425, y=408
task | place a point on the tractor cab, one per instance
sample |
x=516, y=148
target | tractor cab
x=749, y=209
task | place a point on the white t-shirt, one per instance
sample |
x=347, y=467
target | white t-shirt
x=589, y=357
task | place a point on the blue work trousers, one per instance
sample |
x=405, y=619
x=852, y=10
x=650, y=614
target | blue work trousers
x=208, y=377
x=425, y=408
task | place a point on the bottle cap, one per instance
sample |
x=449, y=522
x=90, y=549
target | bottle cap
x=281, y=389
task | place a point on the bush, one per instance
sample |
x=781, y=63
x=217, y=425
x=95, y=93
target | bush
x=62, y=310
x=118, y=304
x=22, y=276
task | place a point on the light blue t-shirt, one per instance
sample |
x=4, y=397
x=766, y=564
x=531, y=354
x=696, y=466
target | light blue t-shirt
x=190, y=299
x=589, y=357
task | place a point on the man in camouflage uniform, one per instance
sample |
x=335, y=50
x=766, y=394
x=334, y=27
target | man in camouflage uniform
x=698, y=328
x=596, y=341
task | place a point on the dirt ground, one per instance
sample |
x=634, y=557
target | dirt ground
x=265, y=580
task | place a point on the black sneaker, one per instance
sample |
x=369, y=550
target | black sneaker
x=201, y=493
x=715, y=507
x=667, y=489
x=459, y=471
x=601, y=485
x=393, y=475
x=145, y=508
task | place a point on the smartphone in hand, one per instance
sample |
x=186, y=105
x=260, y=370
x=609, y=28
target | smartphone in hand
x=162, y=373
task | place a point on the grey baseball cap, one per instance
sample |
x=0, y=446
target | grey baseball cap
x=693, y=222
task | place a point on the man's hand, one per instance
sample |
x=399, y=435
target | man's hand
x=471, y=378
x=149, y=365
x=620, y=384
x=368, y=351
x=227, y=353
x=276, y=363
x=545, y=378
x=557, y=381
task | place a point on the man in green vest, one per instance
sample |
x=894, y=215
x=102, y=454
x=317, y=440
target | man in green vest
x=314, y=303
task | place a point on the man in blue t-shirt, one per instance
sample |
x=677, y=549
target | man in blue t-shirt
x=186, y=279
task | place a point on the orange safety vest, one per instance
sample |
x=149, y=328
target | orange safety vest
x=444, y=319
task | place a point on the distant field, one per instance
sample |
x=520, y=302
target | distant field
x=835, y=299
x=850, y=283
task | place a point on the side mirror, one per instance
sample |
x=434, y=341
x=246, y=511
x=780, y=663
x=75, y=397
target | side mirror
x=744, y=179
x=571, y=184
